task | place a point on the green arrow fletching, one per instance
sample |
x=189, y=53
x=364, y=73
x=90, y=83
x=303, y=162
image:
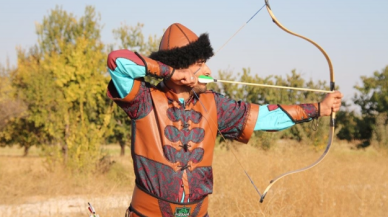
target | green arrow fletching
x=205, y=79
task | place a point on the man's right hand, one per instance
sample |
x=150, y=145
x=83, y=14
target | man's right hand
x=184, y=77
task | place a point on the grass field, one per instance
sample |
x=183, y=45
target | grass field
x=347, y=183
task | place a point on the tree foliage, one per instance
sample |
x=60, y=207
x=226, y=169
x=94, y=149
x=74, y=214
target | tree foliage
x=132, y=37
x=373, y=102
x=32, y=87
x=63, y=81
x=11, y=108
x=74, y=57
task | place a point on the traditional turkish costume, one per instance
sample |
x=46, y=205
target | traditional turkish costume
x=173, y=141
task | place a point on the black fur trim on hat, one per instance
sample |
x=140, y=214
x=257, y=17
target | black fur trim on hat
x=183, y=57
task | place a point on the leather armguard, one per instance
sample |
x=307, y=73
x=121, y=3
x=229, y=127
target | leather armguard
x=249, y=124
x=155, y=68
x=302, y=112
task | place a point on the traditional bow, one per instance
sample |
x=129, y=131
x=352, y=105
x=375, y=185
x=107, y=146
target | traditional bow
x=332, y=116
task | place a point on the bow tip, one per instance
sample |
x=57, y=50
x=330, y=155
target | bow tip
x=262, y=198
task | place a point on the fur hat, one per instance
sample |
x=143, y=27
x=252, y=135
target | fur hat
x=180, y=47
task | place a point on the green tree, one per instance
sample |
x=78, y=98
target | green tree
x=373, y=101
x=32, y=86
x=74, y=55
x=373, y=94
x=10, y=107
x=353, y=126
x=63, y=79
x=132, y=37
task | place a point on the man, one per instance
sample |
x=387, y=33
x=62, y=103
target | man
x=175, y=124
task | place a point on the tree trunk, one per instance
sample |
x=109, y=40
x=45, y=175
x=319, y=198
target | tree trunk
x=65, y=145
x=64, y=153
x=26, y=149
x=122, y=146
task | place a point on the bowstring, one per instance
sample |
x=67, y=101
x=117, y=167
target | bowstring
x=238, y=30
x=233, y=152
x=211, y=120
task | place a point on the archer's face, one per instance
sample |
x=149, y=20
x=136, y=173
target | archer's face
x=200, y=68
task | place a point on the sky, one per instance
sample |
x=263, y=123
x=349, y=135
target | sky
x=354, y=33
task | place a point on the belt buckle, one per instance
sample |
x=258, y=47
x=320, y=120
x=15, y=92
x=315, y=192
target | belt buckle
x=182, y=211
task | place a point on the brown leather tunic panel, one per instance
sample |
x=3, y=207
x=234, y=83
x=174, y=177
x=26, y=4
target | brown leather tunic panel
x=148, y=141
x=150, y=130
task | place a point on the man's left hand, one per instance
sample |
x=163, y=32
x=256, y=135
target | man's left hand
x=331, y=103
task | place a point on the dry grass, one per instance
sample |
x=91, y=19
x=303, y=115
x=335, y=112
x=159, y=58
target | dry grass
x=346, y=183
x=27, y=188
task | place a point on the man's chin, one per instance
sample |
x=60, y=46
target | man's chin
x=199, y=89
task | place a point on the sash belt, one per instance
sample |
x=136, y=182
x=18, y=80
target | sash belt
x=145, y=204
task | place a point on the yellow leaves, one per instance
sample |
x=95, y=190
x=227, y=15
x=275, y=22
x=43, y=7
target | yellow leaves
x=63, y=81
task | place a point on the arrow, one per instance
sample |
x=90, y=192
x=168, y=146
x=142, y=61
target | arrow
x=207, y=79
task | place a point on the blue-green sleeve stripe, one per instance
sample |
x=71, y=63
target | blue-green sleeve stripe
x=272, y=120
x=124, y=74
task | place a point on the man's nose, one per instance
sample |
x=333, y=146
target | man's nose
x=207, y=70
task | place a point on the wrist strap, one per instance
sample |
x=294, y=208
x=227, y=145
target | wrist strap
x=170, y=75
x=314, y=123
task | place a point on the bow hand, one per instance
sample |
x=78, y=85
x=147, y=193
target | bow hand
x=331, y=103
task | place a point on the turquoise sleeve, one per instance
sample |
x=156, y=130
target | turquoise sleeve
x=272, y=120
x=124, y=74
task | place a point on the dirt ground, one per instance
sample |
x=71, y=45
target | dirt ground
x=68, y=206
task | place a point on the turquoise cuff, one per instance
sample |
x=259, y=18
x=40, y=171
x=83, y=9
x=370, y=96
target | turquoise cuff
x=272, y=120
x=124, y=74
